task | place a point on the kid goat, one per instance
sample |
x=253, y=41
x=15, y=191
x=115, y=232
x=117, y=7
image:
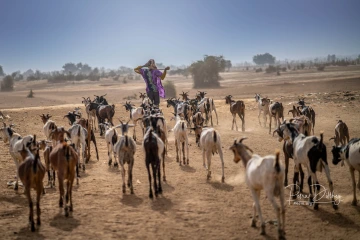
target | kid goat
x=263, y=173
x=238, y=108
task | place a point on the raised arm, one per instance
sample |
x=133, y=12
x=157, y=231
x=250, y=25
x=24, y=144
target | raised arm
x=137, y=70
x=163, y=75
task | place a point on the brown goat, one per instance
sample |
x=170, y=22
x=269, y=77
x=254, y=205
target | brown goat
x=42, y=145
x=31, y=173
x=341, y=134
x=185, y=96
x=237, y=107
x=64, y=160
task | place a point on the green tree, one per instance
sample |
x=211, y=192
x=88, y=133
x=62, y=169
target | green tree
x=70, y=67
x=205, y=72
x=266, y=58
x=228, y=65
x=7, y=84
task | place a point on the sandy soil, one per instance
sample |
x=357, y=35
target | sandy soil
x=190, y=207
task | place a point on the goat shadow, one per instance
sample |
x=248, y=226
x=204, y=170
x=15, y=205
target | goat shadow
x=131, y=200
x=334, y=218
x=25, y=233
x=188, y=168
x=167, y=187
x=161, y=204
x=64, y=223
x=15, y=199
x=222, y=186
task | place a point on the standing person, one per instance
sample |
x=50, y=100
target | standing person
x=153, y=77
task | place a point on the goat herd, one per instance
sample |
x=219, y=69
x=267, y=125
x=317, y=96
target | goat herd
x=262, y=173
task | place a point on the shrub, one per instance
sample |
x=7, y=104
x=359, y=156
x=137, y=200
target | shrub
x=321, y=68
x=283, y=69
x=170, y=89
x=31, y=94
x=271, y=69
x=124, y=80
x=7, y=84
x=116, y=78
x=258, y=70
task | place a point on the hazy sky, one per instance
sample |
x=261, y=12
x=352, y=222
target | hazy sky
x=46, y=34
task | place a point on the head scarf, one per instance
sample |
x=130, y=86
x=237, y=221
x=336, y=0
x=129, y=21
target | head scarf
x=151, y=64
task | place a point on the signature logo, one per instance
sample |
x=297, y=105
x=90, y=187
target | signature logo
x=303, y=199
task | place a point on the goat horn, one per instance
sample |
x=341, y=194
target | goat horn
x=331, y=138
x=242, y=139
x=128, y=122
x=4, y=124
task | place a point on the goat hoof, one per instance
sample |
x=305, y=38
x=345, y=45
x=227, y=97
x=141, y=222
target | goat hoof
x=70, y=208
x=293, y=196
x=223, y=179
x=164, y=178
x=16, y=187
x=160, y=191
x=124, y=189
x=353, y=203
x=263, y=229
x=335, y=207
x=116, y=164
x=61, y=204
x=38, y=222
x=83, y=167
x=32, y=227
x=131, y=191
x=316, y=206
x=109, y=163
x=67, y=197
x=66, y=213
x=253, y=223
x=151, y=195
x=187, y=162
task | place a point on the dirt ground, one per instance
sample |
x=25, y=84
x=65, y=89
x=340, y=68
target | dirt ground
x=191, y=207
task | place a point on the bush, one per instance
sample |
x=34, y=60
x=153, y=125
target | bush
x=258, y=70
x=7, y=84
x=283, y=69
x=124, y=80
x=31, y=94
x=321, y=68
x=271, y=69
x=170, y=89
x=116, y=78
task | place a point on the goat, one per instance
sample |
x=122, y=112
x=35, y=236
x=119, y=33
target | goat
x=341, y=134
x=100, y=99
x=154, y=153
x=71, y=116
x=125, y=148
x=16, y=144
x=103, y=112
x=31, y=173
x=158, y=124
x=310, y=152
x=185, y=96
x=210, y=143
x=198, y=119
x=303, y=123
x=136, y=114
x=207, y=106
x=295, y=112
x=64, y=160
x=237, y=107
x=42, y=145
x=350, y=153
x=263, y=173
x=307, y=111
x=49, y=125
x=78, y=137
x=85, y=124
x=261, y=108
x=274, y=110
x=91, y=114
x=181, y=138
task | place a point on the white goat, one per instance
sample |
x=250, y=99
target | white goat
x=261, y=108
x=181, y=138
x=210, y=143
x=111, y=137
x=136, y=114
x=349, y=153
x=79, y=137
x=49, y=125
x=91, y=114
x=16, y=144
x=263, y=173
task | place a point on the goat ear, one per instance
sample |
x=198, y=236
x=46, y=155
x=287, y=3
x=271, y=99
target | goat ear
x=249, y=149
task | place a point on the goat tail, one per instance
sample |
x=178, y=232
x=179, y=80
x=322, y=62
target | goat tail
x=215, y=137
x=183, y=126
x=321, y=140
x=36, y=162
x=277, y=164
x=79, y=131
x=126, y=141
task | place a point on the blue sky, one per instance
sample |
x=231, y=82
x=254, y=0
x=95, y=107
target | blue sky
x=45, y=34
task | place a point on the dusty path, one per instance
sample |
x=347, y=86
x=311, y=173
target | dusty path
x=190, y=207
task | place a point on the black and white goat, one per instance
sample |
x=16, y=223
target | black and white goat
x=78, y=137
x=207, y=106
x=263, y=173
x=136, y=114
x=261, y=108
x=49, y=125
x=91, y=114
x=274, y=110
x=311, y=153
x=350, y=153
